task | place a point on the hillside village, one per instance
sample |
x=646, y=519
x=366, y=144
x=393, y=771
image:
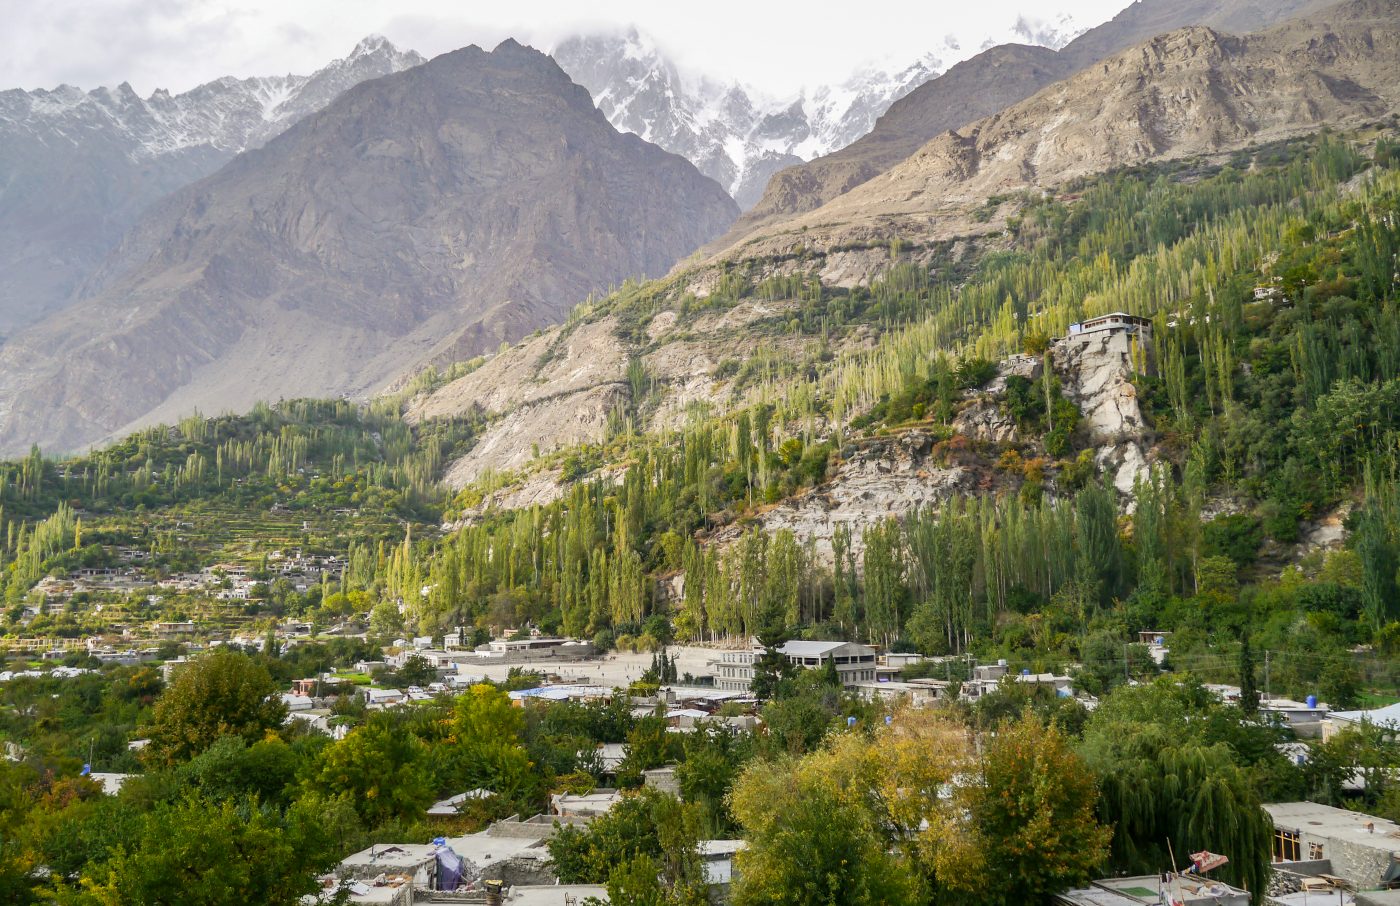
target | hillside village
x=1005, y=511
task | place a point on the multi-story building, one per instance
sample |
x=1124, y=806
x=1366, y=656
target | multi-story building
x=855, y=663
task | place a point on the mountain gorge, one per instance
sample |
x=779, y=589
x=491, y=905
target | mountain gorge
x=81, y=167
x=424, y=216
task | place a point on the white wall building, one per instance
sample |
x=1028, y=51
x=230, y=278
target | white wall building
x=855, y=663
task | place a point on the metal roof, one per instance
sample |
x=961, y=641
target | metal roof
x=815, y=649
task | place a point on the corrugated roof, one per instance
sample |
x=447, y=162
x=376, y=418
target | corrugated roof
x=1389, y=716
x=810, y=649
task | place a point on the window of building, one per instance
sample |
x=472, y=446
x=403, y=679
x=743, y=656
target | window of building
x=1315, y=851
x=1286, y=847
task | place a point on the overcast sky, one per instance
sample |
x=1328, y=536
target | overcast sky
x=776, y=46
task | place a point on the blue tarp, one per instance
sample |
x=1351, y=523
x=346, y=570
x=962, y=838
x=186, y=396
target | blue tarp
x=449, y=868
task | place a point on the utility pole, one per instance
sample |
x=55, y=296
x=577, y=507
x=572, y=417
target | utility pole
x=1266, y=674
x=1126, y=677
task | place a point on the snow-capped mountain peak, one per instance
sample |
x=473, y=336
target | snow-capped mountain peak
x=226, y=114
x=735, y=134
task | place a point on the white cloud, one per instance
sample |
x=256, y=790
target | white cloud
x=778, y=46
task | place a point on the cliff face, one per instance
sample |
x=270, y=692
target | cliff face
x=887, y=477
x=557, y=389
x=1097, y=371
x=425, y=216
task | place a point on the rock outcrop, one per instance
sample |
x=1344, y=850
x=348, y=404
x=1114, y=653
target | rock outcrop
x=558, y=388
x=984, y=418
x=1096, y=372
x=887, y=477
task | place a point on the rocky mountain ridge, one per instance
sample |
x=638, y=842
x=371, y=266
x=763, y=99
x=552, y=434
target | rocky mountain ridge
x=983, y=85
x=83, y=165
x=1190, y=92
x=424, y=216
x=735, y=135
x=556, y=392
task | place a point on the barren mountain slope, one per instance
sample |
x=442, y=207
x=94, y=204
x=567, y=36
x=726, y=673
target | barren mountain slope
x=79, y=168
x=1188, y=92
x=432, y=213
x=983, y=85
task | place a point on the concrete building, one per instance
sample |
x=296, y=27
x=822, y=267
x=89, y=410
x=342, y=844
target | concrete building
x=173, y=630
x=988, y=678
x=440, y=660
x=562, y=692
x=855, y=663
x=526, y=651
x=1363, y=849
x=512, y=851
x=1306, y=719
x=1116, y=333
x=110, y=782
x=382, y=698
x=588, y=805
x=452, y=805
x=414, y=862
x=662, y=780
x=717, y=859
x=918, y=693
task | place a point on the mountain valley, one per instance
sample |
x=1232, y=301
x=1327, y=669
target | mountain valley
x=1017, y=480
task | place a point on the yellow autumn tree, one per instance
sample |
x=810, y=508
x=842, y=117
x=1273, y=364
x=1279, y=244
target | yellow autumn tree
x=915, y=812
x=869, y=818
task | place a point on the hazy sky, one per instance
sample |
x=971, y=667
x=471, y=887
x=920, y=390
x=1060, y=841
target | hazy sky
x=777, y=46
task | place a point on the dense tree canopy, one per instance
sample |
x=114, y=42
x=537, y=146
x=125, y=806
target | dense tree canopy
x=222, y=693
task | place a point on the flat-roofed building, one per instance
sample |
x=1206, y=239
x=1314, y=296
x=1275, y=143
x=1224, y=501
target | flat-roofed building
x=1118, y=332
x=1363, y=849
x=1148, y=890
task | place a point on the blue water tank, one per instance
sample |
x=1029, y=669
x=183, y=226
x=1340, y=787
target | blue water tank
x=1025, y=672
x=850, y=721
x=1312, y=701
